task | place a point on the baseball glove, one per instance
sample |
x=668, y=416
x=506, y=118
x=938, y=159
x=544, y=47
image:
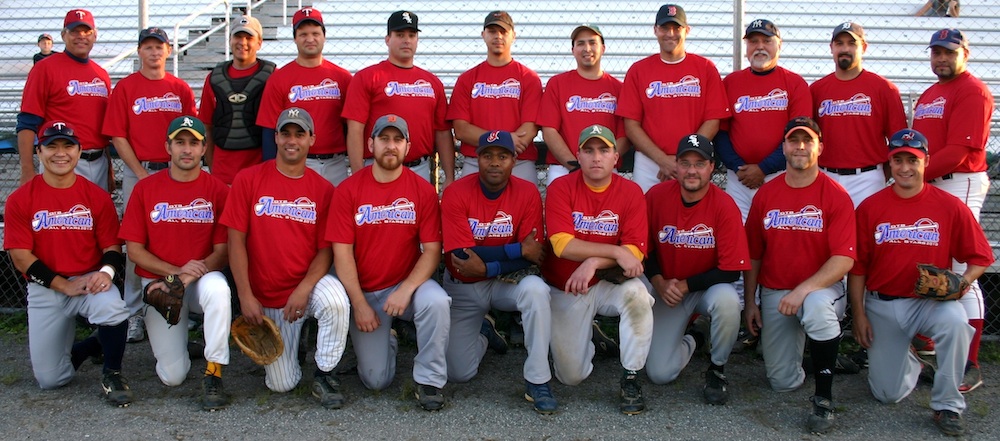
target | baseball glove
x=168, y=303
x=614, y=275
x=515, y=277
x=262, y=343
x=939, y=284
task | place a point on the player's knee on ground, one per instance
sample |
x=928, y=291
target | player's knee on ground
x=375, y=380
x=785, y=378
x=460, y=373
x=572, y=369
x=173, y=372
x=54, y=378
x=663, y=373
x=282, y=384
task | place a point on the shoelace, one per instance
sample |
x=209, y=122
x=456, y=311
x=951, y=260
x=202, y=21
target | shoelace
x=543, y=391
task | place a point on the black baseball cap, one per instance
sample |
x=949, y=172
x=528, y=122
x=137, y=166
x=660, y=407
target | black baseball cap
x=57, y=130
x=153, y=32
x=400, y=20
x=671, y=13
x=910, y=141
x=698, y=144
x=763, y=27
x=499, y=18
x=803, y=123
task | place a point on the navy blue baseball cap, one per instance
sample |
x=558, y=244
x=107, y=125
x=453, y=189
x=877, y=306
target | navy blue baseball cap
x=498, y=138
x=950, y=39
x=909, y=141
x=153, y=32
x=763, y=27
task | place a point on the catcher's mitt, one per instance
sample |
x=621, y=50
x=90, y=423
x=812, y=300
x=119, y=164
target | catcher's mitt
x=939, y=284
x=516, y=276
x=262, y=343
x=168, y=303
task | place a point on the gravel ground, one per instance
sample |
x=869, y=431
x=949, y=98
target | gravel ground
x=489, y=407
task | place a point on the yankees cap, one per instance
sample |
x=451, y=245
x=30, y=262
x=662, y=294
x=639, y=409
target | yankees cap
x=57, y=130
x=297, y=116
x=803, y=123
x=497, y=138
x=400, y=20
x=597, y=131
x=153, y=32
x=950, y=39
x=44, y=37
x=307, y=14
x=390, y=120
x=850, y=27
x=763, y=27
x=698, y=144
x=586, y=27
x=909, y=141
x=248, y=25
x=79, y=17
x=186, y=123
x=499, y=18
x=671, y=13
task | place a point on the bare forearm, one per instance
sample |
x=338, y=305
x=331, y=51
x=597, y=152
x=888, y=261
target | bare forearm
x=467, y=132
x=127, y=155
x=347, y=272
x=356, y=145
x=141, y=256
x=856, y=293
x=557, y=146
x=425, y=267
x=832, y=271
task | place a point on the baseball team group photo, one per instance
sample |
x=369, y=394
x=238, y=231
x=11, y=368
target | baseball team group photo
x=334, y=253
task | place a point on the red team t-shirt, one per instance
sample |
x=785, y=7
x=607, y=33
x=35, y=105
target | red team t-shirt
x=320, y=91
x=857, y=118
x=761, y=106
x=615, y=216
x=412, y=93
x=895, y=234
x=140, y=110
x=794, y=231
x=470, y=219
x=572, y=103
x=285, y=223
x=67, y=228
x=386, y=223
x=672, y=100
x=176, y=221
x=692, y=240
x=226, y=163
x=60, y=88
x=497, y=98
x=956, y=113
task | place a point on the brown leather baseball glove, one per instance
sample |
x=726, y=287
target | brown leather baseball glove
x=939, y=284
x=262, y=343
x=167, y=302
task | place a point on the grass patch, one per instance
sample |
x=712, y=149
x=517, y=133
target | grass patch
x=9, y=378
x=989, y=351
x=980, y=408
x=15, y=323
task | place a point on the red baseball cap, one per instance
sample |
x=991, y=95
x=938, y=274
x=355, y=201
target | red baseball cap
x=79, y=17
x=307, y=14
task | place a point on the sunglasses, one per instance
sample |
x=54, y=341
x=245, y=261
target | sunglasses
x=914, y=143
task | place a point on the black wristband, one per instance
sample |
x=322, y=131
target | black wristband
x=116, y=260
x=41, y=274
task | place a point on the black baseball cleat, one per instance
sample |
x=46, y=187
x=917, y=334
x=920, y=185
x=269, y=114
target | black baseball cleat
x=430, y=398
x=327, y=389
x=821, y=419
x=715, y=388
x=632, y=402
x=494, y=340
x=116, y=390
x=949, y=423
x=213, y=394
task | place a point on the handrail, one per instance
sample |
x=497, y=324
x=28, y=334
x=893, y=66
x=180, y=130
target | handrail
x=284, y=11
x=190, y=18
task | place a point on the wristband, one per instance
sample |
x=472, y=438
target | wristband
x=115, y=260
x=41, y=274
x=109, y=270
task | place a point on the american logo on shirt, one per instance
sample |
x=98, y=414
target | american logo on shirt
x=809, y=218
x=857, y=105
x=78, y=217
x=400, y=211
x=776, y=99
x=510, y=88
x=300, y=210
x=198, y=211
x=921, y=232
x=605, y=103
x=95, y=87
x=933, y=109
x=420, y=88
x=700, y=236
x=325, y=90
x=604, y=224
x=502, y=226
x=690, y=85
x=169, y=102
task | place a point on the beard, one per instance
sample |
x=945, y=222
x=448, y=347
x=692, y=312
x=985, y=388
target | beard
x=845, y=63
x=760, y=63
x=389, y=161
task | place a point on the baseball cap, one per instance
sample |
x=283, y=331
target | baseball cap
x=671, y=13
x=597, y=131
x=57, y=130
x=297, y=116
x=248, y=25
x=803, y=123
x=950, y=39
x=497, y=138
x=910, y=141
x=153, y=32
x=850, y=27
x=499, y=18
x=400, y=20
x=763, y=27
x=696, y=143
x=586, y=26
x=307, y=14
x=188, y=123
x=78, y=17
x=44, y=37
x=390, y=120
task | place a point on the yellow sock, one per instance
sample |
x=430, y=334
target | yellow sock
x=214, y=369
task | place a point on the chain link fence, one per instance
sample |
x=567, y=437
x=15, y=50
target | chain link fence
x=450, y=44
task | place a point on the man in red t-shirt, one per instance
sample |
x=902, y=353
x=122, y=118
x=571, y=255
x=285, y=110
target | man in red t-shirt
x=397, y=86
x=897, y=228
x=183, y=202
x=68, y=87
x=807, y=215
x=498, y=94
x=277, y=215
x=234, y=141
x=313, y=83
x=954, y=114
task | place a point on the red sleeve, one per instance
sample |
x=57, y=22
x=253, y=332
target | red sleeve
x=531, y=98
x=461, y=98
x=134, y=219
x=115, y=118
x=34, y=98
x=455, y=219
x=237, y=210
x=441, y=107
x=717, y=105
x=18, y=234
x=106, y=218
x=969, y=111
x=976, y=250
x=733, y=254
x=192, y=105
x=322, y=212
x=271, y=102
x=430, y=215
x=558, y=213
x=207, y=101
x=864, y=236
x=635, y=230
x=550, y=113
x=800, y=98
x=630, y=100
x=340, y=226
x=357, y=104
x=220, y=234
x=532, y=218
x=895, y=116
x=842, y=235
